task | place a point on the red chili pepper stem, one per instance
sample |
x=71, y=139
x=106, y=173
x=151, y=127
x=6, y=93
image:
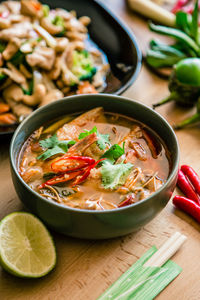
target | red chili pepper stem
x=192, y=176
x=186, y=187
x=188, y=206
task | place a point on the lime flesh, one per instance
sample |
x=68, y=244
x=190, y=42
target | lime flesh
x=26, y=247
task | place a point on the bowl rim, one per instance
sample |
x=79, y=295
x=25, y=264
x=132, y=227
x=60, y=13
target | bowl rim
x=83, y=211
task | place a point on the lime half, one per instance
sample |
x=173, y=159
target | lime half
x=26, y=247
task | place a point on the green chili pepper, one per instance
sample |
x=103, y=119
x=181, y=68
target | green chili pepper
x=166, y=49
x=177, y=34
x=158, y=59
x=184, y=83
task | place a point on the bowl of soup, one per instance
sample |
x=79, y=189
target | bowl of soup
x=97, y=166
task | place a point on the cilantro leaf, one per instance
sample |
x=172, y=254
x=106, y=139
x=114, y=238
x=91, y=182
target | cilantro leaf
x=86, y=132
x=103, y=139
x=113, y=153
x=50, y=142
x=114, y=175
x=54, y=146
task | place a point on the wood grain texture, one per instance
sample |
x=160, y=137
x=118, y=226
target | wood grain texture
x=86, y=268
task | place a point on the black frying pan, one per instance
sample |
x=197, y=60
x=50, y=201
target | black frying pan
x=113, y=37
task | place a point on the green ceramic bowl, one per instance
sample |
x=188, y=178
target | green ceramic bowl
x=87, y=223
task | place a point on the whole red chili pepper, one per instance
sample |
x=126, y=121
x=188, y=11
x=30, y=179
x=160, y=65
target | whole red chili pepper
x=186, y=187
x=192, y=176
x=65, y=163
x=86, y=173
x=188, y=206
x=61, y=178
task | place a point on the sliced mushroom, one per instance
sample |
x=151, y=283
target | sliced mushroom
x=53, y=29
x=19, y=109
x=4, y=23
x=14, y=74
x=85, y=20
x=74, y=25
x=13, y=6
x=50, y=40
x=53, y=95
x=24, y=71
x=11, y=49
x=78, y=45
x=64, y=14
x=62, y=44
x=13, y=92
x=31, y=8
x=56, y=70
x=6, y=83
x=36, y=97
x=49, y=84
x=42, y=57
x=67, y=76
x=75, y=35
x=20, y=31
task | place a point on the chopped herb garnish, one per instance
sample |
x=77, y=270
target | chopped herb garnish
x=18, y=58
x=28, y=91
x=54, y=146
x=114, y=175
x=58, y=21
x=46, y=10
x=113, y=153
x=103, y=139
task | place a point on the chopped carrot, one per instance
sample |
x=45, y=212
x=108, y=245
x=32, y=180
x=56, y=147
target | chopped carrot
x=36, y=5
x=4, y=107
x=7, y=119
x=86, y=88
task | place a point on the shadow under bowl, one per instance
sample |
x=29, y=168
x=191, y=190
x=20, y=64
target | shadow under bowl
x=87, y=223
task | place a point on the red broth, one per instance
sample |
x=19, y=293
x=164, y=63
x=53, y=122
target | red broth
x=60, y=161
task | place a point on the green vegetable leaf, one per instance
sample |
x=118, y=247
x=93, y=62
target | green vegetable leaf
x=18, y=58
x=183, y=21
x=28, y=91
x=113, y=153
x=195, y=20
x=46, y=10
x=83, y=65
x=103, y=139
x=158, y=59
x=115, y=175
x=58, y=21
x=50, y=142
x=86, y=132
x=54, y=146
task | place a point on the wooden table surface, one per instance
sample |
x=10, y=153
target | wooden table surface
x=86, y=268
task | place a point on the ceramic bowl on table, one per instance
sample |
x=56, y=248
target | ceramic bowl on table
x=113, y=37
x=92, y=224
